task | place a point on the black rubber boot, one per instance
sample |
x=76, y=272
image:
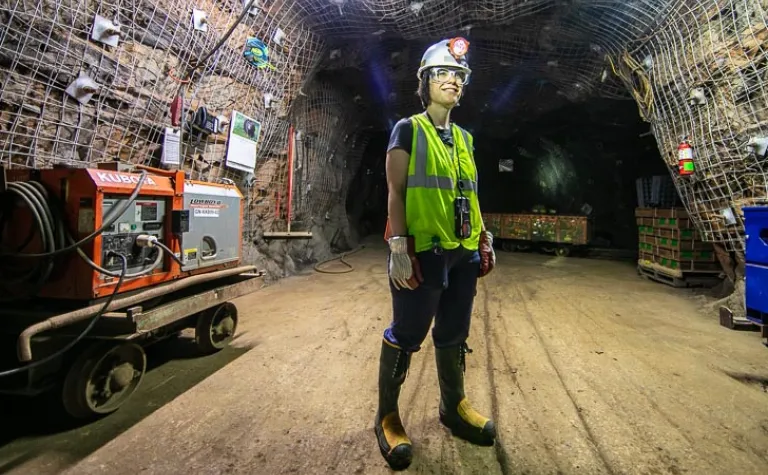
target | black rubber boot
x=394, y=443
x=455, y=411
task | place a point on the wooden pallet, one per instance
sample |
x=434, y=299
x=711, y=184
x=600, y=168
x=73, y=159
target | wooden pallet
x=679, y=280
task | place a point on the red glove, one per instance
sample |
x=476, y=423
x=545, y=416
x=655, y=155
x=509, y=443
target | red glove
x=487, y=255
x=416, y=278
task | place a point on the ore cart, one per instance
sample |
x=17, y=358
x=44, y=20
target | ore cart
x=555, y=233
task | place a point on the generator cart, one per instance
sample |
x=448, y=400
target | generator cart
x=100, y=372
x=96, y=264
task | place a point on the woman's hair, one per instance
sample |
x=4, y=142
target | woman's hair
x=423, y=90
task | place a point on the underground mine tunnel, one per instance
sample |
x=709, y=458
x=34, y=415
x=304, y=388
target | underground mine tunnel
x=193, y=205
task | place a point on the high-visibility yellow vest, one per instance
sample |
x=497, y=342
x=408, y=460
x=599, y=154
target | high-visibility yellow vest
x=433, y=185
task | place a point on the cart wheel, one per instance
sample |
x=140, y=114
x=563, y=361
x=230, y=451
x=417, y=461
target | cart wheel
x=216, y=327
x=563, y=251
x=102, y=379
x=508, y=246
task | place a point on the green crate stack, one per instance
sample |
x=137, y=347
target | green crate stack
x=667, y=238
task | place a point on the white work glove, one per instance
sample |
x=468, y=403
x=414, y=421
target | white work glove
x=404, y=269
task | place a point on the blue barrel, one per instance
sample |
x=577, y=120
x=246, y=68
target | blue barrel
x=756, y=256
x=756, y=230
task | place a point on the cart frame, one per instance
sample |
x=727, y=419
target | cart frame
x=124, y=333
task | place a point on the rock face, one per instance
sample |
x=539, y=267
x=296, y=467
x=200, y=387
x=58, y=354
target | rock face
x=329, y=147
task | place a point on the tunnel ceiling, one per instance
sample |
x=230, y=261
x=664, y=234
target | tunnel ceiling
x=527, y=56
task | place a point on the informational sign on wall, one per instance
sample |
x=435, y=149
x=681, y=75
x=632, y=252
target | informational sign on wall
x=241, y=147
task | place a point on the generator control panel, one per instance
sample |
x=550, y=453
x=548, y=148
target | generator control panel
x=146, y=215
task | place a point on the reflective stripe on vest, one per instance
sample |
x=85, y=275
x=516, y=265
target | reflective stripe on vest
x=420, y=179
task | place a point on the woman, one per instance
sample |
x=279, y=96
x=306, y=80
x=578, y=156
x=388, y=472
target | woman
x=438, y=248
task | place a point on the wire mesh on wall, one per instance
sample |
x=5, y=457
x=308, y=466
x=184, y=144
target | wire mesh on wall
x=329, y=148
x=702, y=76
x=133, y=70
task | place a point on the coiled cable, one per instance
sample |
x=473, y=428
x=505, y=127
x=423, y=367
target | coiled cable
x=48, y=217
x=55, y=240
x=35, y=197
x=45, y=220
x=340, y=258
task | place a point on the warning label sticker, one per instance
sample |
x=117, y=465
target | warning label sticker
x=205, y=212
x=190, y=254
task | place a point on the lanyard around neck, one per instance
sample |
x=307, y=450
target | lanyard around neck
x=453, y=155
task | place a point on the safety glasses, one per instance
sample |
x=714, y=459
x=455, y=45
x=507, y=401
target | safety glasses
x=443, y=75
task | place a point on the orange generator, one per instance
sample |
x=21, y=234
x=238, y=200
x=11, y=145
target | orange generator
x=73, y=224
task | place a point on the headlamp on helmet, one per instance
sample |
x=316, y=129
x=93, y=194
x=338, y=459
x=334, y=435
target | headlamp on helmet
x=458, y=48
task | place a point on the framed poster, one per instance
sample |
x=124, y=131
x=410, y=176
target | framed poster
x=244, y=135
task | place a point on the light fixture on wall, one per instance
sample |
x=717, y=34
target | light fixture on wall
x=199, y=20
x=83, y=88
x=105, y=31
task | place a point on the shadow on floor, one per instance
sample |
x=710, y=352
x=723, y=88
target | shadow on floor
x=759, y=382
x=36, y=428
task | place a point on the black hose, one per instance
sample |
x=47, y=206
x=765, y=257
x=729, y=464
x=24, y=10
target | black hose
x=48, y=223
x=169, y=252
x=195, y=63
x=70, y=345
x=340, y=258
x=35, y=197
x=48, y=218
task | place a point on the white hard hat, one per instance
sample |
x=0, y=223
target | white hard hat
x=446, y=53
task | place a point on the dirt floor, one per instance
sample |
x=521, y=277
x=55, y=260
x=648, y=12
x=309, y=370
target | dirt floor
x=586, y=368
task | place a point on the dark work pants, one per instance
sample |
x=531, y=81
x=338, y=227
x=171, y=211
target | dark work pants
x=447, y=295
